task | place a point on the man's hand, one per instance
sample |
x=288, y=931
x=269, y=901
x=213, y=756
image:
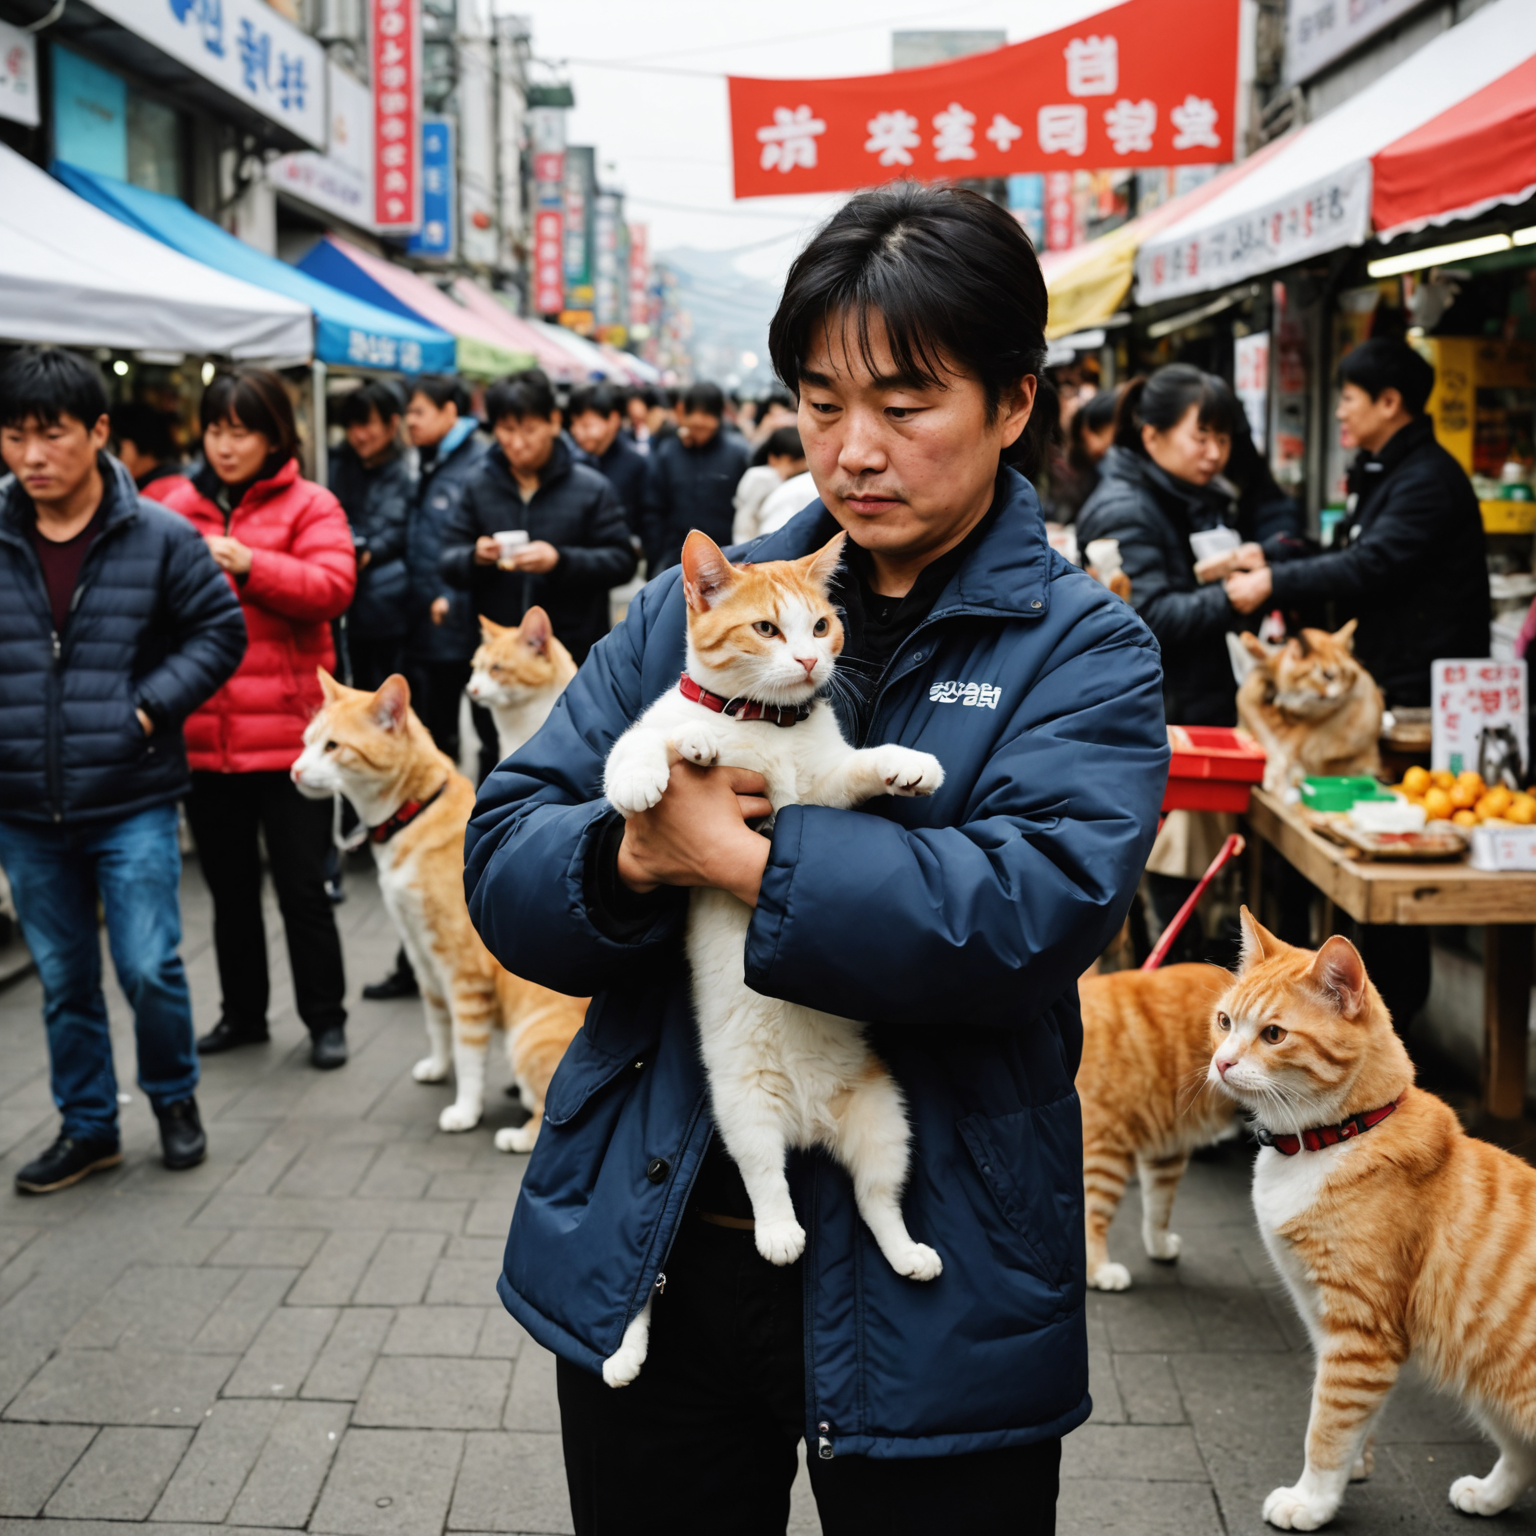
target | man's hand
x=145, y=723
x=228, y=554
x=698, y=834
x=1246, y=557
x=537, y=557
x=439, y=609
x=487, y=550
x=1248, y=589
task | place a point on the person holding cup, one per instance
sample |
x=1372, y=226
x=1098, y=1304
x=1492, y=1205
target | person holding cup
x=534, y=526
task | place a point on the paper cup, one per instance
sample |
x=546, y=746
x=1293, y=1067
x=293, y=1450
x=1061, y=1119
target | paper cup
x=508, y=543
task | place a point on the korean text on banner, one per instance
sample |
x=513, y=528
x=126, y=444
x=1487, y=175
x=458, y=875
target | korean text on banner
x=436, y=237
x=341, y=180
x=1122, y=87
x=395, y=41
x=1479, y=720
x=546, y=131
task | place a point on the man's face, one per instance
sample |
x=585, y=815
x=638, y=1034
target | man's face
x=528, y=443
x=698, y=427
x=427, y=423
x=52, y=460
x=133, y=461
x=1366, y=423
x=902, y=465
x=370, y=438
x=596, y=432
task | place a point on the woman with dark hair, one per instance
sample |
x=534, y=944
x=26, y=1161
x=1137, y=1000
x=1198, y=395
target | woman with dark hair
x=286, y=547
x=912, y=332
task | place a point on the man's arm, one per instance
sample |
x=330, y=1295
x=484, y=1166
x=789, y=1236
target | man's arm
x=1171, y=615
x=456, y=561
x=391, y=517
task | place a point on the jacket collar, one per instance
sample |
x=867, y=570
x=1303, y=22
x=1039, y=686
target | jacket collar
x=556, y=467
x=1197, y=502
x=1007, y=575
x=208, y=483
x=1373, y=468
x=118, y=493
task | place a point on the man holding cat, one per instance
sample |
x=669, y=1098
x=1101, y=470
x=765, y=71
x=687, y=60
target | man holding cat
x=954, y=926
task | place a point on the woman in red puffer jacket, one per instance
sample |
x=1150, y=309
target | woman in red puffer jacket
x=286, y=546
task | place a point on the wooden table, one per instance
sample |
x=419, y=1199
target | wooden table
x=1421, y=894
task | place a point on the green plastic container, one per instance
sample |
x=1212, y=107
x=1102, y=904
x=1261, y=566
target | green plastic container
x=1338, y=794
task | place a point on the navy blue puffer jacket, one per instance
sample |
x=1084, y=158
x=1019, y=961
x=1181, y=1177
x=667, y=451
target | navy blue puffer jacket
x=378, y=503
x=438, y=493
x=957, y=926
x=154, y=626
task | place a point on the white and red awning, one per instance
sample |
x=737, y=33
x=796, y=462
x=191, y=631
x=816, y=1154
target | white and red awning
x=1447, y=134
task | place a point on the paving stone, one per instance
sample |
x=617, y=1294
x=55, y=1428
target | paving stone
x=152, y=1308
x=532, y=1402
x=464, y=1282
x=390, y=1482
x=332, y=1275
x=436, y=1331
x=502, y=1337
x=285, y=1349
x=490, y=1218
x=239, y=1317
x=100, y=1386
x=34, y=1459
x=1157, y=1453
x=244, y=1211
x=511, y=1482
x=419, y=1392
x=395, y=1182
x=400, y=1270
x=1148, y=1390
x=266, y=1165
x=218, y=1461
x=1107, y=1506
x=279, y=1247
x=326, y=1171
x=120, y=1477
x=288, y=1476
x=1431, y=1469
x=349, y=1354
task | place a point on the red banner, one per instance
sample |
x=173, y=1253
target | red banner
x=395, y=39
x=548, y=261
x=1149, y=82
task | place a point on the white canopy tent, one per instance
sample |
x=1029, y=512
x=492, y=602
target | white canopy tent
x=73, y=275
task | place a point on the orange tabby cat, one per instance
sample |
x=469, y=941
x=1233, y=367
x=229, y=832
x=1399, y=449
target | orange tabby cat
x=372, y=748
x=517, y=673
x=1311, y=706
x=1146, y=1046
x=1396, y=1234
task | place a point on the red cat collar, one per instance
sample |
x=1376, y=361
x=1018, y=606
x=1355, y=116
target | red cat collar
x=1320, y=1136
x=403, y=817
x=743, y=709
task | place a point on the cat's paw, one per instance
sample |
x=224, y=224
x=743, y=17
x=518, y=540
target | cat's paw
x=459, y=1117
x=430, y=1070
x=636, y=776
x=1477, y=1496
x=906, y=772
x=780, y=1242
x=1292, y=1510
x=919, y=1262
x=623, y=1365
x=698, y=744
x=517, y=1138
x=1110, y=1277
x=1365, y=1464
x=1164, y=1247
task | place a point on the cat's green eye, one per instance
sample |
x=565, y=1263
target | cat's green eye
x=1223, y=1022
x=763, y=627
x=821, y=627
x=1274, y=1034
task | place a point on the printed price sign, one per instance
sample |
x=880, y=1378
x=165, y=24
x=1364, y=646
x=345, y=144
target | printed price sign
x=1479, y=719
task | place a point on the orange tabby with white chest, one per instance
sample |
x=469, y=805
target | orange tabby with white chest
x=1397, y=1234
x=372, y=748
x=518, y=673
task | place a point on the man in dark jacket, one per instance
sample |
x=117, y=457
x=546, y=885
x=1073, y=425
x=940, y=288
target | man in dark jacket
x=597, y=420
x=955, y=926
x=1408, y=560
x=571, y=543
x=372, y=480
x=692, y=479
x=115, y=624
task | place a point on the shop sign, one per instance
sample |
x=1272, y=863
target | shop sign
x=436, y=236
x=1479, y=720
x=245, y=48
x=18, y=76
x=1250, y=383
x=1060, y=211
x=1319, y=31
x=546, y=132
x=1311, y=221
x=639, y=275
x=394, y=35
x=1120, y=88
x=1026, y=202
x=341, y=180
x=580, y=182
x=605, y=264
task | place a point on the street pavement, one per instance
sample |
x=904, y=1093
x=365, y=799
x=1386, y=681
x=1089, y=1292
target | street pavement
x=303, y=1333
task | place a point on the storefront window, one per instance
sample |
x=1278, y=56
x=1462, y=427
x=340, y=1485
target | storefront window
x=101, y=125
x=154, y=145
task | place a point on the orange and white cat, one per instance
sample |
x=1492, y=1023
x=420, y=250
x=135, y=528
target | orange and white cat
x=1397, y=1235
x=780, y=1075
x=1311, y=706
x=371, y=748
x=517, y=673
x=1146, y=1048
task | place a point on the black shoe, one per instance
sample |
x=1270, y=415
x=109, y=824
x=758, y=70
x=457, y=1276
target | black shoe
x=401, y=982
x=66, y=1162
x=329, y=1048
x=227, y=1034
x=181, y=1134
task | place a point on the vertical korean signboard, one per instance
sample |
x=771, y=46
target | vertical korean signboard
x=436, y=237
x=607, y=301
x=639, y=280
x=395, y=40
x=546, y=131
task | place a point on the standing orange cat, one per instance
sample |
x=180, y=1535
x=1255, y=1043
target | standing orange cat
x=1397, y=1235
x=372, y=748
x=517, y=673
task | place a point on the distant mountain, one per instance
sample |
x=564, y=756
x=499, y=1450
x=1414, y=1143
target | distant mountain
x=730, y=313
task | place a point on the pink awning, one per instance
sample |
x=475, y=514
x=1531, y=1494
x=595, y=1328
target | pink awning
x=553, y=359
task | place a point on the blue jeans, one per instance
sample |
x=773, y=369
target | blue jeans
x=134, y=865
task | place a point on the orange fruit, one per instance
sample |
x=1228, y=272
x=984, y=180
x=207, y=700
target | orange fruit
x=1465, y=818
x=1522, y=810
x=1416, y=780
x=1495, y=803
x=1441, y=778
x=1437, y=804
x=1470, y=776
x=1465, y=795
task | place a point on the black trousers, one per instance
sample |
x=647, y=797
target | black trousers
x=225, y=810
x=436, y=689
x=706, y=1439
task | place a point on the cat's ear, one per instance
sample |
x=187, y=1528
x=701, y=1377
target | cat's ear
x=1258, y=942
x=707, y=574
x=391, y=703
x=1256, y=648
x=489, y=630
x=822, y=566
x=1346, y=636
x=535, y=630
x=329, y=686
x=1339, y=971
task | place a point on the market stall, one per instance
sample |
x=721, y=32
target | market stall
x=554, y=359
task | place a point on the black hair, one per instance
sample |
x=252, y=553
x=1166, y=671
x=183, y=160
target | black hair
x=47, y=383
x=378, y=397
x=784, y=443
x=603, y=399
x=703, y=397
x=255, y=398
x=521, y=395
x=951, y=275
x=1162, y=401
x=440, y=388
x=1381, y=364
x=146, y=428
x=647, y=396
x=1099, y=412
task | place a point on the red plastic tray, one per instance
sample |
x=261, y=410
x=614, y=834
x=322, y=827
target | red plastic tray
x=1212, y=768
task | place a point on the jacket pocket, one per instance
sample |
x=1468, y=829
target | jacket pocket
x=585, y=1069
x=1032, y=1162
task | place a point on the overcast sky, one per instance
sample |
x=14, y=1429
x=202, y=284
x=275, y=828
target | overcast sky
x=664, y=138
